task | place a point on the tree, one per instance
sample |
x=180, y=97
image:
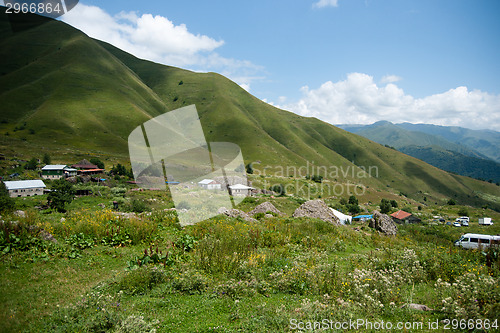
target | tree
x=6, y=202
x=62, y=193
x=451, y=202
x=385, y=206
x=31, y=164
x=46, y=158
x=394, y=203
x=279, y=189
x=353, y=205
x=353, y=209
x=249, y=168
x=98, y=162
x=317, y=178
x=463, y=212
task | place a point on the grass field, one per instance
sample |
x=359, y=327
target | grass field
x=226, y=274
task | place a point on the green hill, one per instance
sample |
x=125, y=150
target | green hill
x=434, y=148
x=74, y=96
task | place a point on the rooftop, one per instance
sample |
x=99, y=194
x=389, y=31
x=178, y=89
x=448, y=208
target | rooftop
x=24, y=184
x=240, y=187
x=54, y=167
x=400, y=214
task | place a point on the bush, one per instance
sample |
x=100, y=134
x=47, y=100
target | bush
x=141, y=280
x=138, y=206
x=385, y=206
x=317, y=178
x=62, y=194
x=6, y=202
x=278, y=189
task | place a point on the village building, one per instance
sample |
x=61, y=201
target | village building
x=84, y=165
x=57, y=171
x=403, y=217
x=25, y=188
x=240, y=190
x=209, y=184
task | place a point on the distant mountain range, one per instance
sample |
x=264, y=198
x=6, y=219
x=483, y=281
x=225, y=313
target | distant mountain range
x=75, y=97
x=473, y=153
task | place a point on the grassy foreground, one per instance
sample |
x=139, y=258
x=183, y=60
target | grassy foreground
x=110, y=272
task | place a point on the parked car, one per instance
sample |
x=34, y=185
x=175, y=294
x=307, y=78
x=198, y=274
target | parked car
x=474, y=241
x=456, y=224
x=448, y=223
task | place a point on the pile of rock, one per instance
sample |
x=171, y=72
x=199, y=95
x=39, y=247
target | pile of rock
x=264, y=208
x=383, y=223
x=236, y=213
x=317, y=209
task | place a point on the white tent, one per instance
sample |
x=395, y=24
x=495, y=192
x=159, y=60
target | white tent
x=344, y=219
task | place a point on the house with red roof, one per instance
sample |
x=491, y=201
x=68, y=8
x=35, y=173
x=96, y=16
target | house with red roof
x=403, y=217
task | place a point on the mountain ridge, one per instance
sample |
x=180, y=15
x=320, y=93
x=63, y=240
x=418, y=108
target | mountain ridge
x=90, y=104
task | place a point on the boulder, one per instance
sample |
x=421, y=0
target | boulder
x=264, y=208
x=235, y=213
x=383, y=223
x=20, y=213
x=418, y=307
x=317, y=209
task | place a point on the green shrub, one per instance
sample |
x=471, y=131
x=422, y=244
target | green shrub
x=142, y=280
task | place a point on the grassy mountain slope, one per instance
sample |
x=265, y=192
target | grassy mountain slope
x=66, y=91
x=431, y=148
x=387, y=133
x=455, y=162
x=486, y=142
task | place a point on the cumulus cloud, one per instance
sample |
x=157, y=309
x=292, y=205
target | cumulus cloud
x=390, y=79
x=325, y=3
x=156, y=38
x=359, y=100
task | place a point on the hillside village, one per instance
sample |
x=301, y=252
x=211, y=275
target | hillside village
x=84, y=172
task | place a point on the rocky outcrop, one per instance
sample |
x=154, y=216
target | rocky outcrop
x=235, y=213
x=264, y=208
x=317, y=209
x=383, y=223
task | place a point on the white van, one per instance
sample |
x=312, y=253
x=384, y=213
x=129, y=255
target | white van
x=474, y=241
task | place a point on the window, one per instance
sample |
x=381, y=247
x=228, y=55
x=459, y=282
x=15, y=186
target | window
x=473, y=240
x=484, y=241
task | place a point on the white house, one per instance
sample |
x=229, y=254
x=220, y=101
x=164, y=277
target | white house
x=240, y=190
x=344, y=219
x=209, y=184
x=25, y=188
x=56, y=171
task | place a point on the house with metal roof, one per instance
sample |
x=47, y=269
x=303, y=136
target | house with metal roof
x=240, y=190
x=56, y=171
x=25, y=188
x=209, y=184
x=403, y=217
x=53, y=171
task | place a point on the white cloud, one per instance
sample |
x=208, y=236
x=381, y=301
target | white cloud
x=390, y=79
x=358, y=100
x=325, y=3
x=158, y=39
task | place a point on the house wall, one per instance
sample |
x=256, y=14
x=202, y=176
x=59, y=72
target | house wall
x=52, y=174
x=29, y=192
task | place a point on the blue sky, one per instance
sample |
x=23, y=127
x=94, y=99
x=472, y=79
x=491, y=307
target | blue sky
x=343, y=61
